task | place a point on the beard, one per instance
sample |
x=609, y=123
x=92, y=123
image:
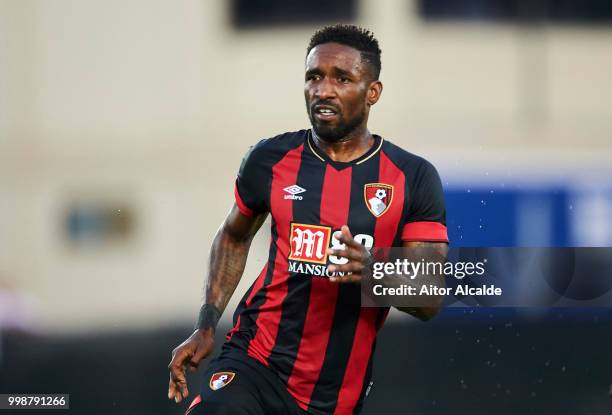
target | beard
x=333, y=134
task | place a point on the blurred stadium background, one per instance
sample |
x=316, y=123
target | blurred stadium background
x=123, y=123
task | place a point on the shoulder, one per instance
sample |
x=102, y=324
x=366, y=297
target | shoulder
x=411, y=164
x=278, y=145
x=269, y=151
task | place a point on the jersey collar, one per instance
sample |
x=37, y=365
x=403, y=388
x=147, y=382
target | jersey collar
x=321, y=155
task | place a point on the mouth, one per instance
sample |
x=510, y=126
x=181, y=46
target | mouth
x=325, y=112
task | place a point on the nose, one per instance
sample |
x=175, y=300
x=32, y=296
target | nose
x=325, y=89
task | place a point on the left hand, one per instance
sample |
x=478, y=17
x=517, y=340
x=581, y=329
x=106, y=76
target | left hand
x=357, y=254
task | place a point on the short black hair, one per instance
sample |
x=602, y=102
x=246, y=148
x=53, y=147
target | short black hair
x=354, y=36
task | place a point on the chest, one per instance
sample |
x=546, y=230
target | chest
x=311, y=202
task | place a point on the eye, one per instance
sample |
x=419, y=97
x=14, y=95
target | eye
x=343, y=79
x=313, y=77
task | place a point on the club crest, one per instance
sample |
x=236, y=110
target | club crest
x=220, y=379
x=378, y=197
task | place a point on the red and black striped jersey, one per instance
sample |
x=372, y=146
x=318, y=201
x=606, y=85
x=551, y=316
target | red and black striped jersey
x=314, y=333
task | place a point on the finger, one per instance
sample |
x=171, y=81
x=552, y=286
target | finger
x=201, y=352
x=344, y=235
x=356, y=263
x=183, y=391
x=171, y=389
x=347, y=238
x=178, y=381
x=350, y=253
x=177, y=389
x=352, y=278
x=346, y=232
x=352, y=267
x=348, y=245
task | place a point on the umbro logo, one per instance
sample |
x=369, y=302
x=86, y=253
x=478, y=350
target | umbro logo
x=294, y=191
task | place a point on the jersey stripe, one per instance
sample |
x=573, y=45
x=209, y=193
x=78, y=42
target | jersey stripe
x=334, y=209
x=347, y=308
x=296, y=305
x=363, y=343
x=359, y=367
x=284, y=174
x=389, y=173
x=382, y=316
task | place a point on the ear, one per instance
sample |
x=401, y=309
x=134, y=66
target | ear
x=374, y=91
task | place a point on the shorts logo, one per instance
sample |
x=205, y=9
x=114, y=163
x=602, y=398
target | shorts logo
x=309, y=242
x=378, y=197
x=220, y=379
x=194, y=403
x=293, y=192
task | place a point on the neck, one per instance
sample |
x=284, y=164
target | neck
x=348, y=148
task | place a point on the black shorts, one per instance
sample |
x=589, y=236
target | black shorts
x=242, y=386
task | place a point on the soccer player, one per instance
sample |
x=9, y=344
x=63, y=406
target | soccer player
x=301, y=342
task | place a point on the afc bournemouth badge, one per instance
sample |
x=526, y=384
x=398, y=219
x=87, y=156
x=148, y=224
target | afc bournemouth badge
x=221, y=379
x=378, y=197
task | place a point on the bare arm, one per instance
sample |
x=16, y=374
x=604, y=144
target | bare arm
x=228, y=257
x=430, y=252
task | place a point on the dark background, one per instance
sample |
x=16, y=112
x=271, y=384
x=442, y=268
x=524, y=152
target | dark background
x=467, y=360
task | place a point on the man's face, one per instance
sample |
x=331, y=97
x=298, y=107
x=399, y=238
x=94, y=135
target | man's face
x=336, y=90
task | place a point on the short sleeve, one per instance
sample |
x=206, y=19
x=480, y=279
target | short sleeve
x=426, y=217
x=251, y=183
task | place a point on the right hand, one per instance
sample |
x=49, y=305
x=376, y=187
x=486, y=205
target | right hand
x=189, y=353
